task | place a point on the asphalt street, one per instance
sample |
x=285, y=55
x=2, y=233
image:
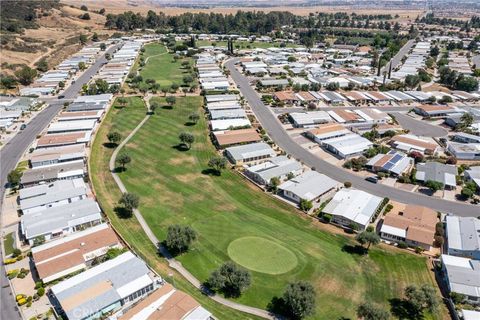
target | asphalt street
x=397, y=59
x=386, y=109
x=11, y=153
x=271, y=124
x=418, y=127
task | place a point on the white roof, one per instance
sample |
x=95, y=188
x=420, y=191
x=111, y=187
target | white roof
x=354, y=205
x=349, y=144
x=229, y=123
x=309, y=185
x=402, y=233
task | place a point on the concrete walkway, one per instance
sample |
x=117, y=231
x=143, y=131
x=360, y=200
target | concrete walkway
x=172, y=262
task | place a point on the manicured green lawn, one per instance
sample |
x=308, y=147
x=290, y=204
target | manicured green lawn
x=244, y=44
x=107, y=193
x=161, y=66
x=173, y=190
x=8, y=243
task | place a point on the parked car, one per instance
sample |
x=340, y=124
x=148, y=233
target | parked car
x=23, y=126
x=372, y=179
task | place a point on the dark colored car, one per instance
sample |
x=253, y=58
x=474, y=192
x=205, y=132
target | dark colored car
x=372, y=179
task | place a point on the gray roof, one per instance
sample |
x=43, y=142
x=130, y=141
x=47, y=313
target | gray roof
x=221, y=97
x=250, y=150
x=436, y=171
x=275, y=167
x=274, y=82
x=227, y=114
x=474, y=174
x=44, y=189
x=117, y=274
x=52, y=172
x=309, y=185
x=81, y=106
x=463, y=275
x=463, y=233
x=57, y=218
x=52, y=196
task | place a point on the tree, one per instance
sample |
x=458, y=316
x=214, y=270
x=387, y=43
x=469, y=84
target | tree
x=187, y=139
x=217, y=164
x=466, y=120
x=164, y=91
x=174, y=87
x=102, y=11
x=299, y=299
x=305, y=205
x=14, y=177
x=435, y=51
x=179, y=238
x=86, y=16
x=187, y=79
x=467, y=84
x=369, y=238
x=114, y=137
x=171, y=100
x=420, y=299
x=84, y=8
x=81, y=66
x=42, y=65
x=95, y=37
x=153, y=106
x=273, y=184
x=83, y=39
x=129, y=201
x=26, y=75
x=123, y=159
x=194, y=117
x=369, y=311
x=434, y=185
x=230, y=279
x=7, y=81
x=412, y=80
x=103, y=46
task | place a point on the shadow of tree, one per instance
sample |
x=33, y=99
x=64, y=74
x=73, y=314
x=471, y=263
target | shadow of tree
x=211, y=172
x=359, y=250
x=110, y=145
x=167, y=107
x=189, y=124
x=181, y=147
x=122, y=212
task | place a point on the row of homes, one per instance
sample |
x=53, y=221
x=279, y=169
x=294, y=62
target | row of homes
x=87, y=269
x=372, y=97
x=261, y=163
x=210, y=75
x=51, y=81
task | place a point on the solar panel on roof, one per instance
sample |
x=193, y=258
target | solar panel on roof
x=396, y=158
x=388, y=165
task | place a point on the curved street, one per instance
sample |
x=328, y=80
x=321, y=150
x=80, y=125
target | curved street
x=274, y=128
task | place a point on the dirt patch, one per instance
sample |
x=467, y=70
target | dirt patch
x=182, y=160
x=188, y=177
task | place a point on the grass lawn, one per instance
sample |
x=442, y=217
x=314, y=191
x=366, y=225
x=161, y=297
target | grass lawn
x=173, y=190
x=244, y=44
x=125, y=120
x=8, y=243
x=161, y=66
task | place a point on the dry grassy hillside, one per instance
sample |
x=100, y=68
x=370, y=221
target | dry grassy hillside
x=142, y=6
x=56, y=38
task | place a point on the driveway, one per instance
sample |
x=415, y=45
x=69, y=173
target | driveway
x=274, y=128
x=419, y=127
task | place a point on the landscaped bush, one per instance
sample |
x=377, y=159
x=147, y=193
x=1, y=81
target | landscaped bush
x=402, y=245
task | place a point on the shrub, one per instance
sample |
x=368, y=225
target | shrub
x=327, y=217
x=41, y=292
x=347, y=184
x=419, y=250
x=402, y=245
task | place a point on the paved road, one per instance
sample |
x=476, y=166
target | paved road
x=397, y=59
x=418, y=127
x=11, y=153
x=172, y=262
x=271, y=124
x=476, y=61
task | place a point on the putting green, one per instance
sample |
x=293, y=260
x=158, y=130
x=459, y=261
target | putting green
x=262, y=255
